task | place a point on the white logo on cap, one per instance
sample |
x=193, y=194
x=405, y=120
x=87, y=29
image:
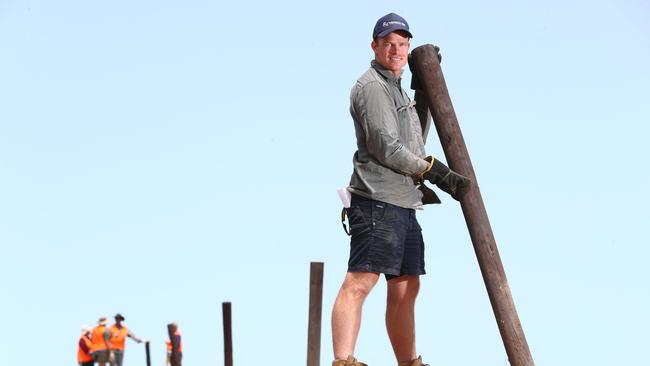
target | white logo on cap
x=386, y=24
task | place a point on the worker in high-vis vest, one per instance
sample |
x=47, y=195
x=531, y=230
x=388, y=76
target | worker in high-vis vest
x=99, y=347
x=118, y=333
x=179, y=342
x=83, y=353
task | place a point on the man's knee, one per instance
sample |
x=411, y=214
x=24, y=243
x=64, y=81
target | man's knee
x=359, y=284
x=404, y=287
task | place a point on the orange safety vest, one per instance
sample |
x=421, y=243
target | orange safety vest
x=169, y=343
x=83, y=356
x=97, y=339
x=118, y=337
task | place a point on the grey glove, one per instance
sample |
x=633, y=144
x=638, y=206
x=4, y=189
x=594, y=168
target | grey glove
x=446, y=179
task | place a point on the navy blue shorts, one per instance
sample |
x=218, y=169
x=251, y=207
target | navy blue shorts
x=384, y=239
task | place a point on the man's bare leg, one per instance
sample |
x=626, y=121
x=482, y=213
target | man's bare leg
x=346, y=315
x=400, y=316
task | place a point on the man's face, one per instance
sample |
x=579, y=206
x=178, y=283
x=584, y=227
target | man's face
x=392, y=51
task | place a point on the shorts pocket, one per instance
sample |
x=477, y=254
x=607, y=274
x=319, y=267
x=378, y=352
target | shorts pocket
x=360, y=219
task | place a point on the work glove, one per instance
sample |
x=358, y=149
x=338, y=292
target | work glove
x=446, y=179
x=415, y=81
x=428, y=195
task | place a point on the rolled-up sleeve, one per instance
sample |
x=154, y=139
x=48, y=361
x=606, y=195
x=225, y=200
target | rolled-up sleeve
x=378, y=118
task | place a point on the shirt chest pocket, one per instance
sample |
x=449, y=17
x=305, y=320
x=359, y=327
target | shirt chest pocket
x=410, y=129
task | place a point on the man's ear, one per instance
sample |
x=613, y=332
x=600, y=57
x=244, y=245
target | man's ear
x=373, y=44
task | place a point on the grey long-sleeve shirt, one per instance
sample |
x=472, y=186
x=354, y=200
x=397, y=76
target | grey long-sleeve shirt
x=390, y=147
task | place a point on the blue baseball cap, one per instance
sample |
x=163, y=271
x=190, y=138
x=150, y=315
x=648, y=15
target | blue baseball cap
x=390, y=23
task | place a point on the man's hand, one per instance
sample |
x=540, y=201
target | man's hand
x=446, y=179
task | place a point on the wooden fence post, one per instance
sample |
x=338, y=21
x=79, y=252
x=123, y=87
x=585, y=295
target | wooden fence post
x=432, y=82
x=147, y=353
x=315, y=313
x=227, y=333
x=175, y=356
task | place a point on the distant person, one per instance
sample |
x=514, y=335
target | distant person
x=83, y=353
x=179, y=342
x=99, y=348
x=118, y=333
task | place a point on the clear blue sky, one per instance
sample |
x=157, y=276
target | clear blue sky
x=160, y=157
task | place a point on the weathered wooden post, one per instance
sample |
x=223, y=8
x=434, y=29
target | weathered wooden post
x=227, y=333
x=147, y=353
x=175, y=356
x=315, y=313
x=432, y=82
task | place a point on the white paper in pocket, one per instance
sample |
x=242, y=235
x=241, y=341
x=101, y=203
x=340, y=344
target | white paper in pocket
x=345, y=196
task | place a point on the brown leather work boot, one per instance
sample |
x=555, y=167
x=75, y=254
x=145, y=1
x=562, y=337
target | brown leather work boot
x=351, y=361
x=416, y=362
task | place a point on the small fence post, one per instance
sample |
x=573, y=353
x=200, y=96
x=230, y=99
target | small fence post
x=227, y=333
x=148, y=354
x=315, y=313
x=175, y=356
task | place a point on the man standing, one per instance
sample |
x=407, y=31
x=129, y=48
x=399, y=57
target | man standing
x=83, y=353
x=386, y=187
x=99, y=348
x=118, y=333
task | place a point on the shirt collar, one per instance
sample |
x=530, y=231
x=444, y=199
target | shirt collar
x=384, y=72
